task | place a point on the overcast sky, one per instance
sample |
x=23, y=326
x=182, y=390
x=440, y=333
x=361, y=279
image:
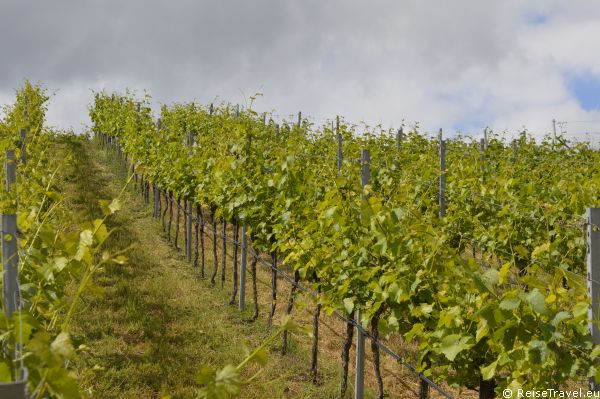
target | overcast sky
x=460, y=65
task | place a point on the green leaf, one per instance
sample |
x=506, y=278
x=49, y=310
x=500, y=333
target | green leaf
x=482, y=330
x=83, y=254
x=521, y=250
x=62, y=384
x=389, y=325
x=453, y=344
x=62, y=345
x=580, y=310
x=104, y=207
x=510, y=303
x=114, y=206
x=120, y=260
x=286, y=323
x=260, y=356
x=426, y=308
x=225, y=384
x=101, y=231
x=503, y=272
x=205, y=375
x=5, y=375
x=348, y=305
x=60, y=263
x=86, y=238
x=25, y=327
x=537, y=301
x=329, y=213
x=560, y=316
x=491, y=277
x=488, y=372
x=540, y=250
x=415, y=331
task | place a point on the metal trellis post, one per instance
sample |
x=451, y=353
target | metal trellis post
x=340, y=154
x=10, y=258
x=11, y=294
x=399, y=138
x=593, y=279
x=359, y=383
x=442, y=195
x=485, y=137
x=482, y=155
x=189, y=211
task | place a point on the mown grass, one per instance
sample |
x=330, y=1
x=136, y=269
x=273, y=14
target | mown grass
x=151, y=323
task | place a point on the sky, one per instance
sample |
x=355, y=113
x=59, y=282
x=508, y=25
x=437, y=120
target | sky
x=459, y=65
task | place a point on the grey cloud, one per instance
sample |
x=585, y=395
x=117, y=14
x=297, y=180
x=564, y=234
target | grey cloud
x=438, y=62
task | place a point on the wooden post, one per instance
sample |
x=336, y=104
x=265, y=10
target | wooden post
x=242, y=303
x=299, y=119
x=487, y=389
x=156, y=200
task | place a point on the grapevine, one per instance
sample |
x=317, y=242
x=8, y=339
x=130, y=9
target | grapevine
x=493, y=291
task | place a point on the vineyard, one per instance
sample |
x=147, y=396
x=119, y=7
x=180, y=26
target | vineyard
x=463, y=265
x=48, y=260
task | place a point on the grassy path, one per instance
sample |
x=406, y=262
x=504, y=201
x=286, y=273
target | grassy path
x=151, y=323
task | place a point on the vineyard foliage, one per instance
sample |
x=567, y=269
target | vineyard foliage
x=493, y=290
x=57, y=256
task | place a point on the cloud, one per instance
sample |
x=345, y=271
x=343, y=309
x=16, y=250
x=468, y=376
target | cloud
x=457, y=65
